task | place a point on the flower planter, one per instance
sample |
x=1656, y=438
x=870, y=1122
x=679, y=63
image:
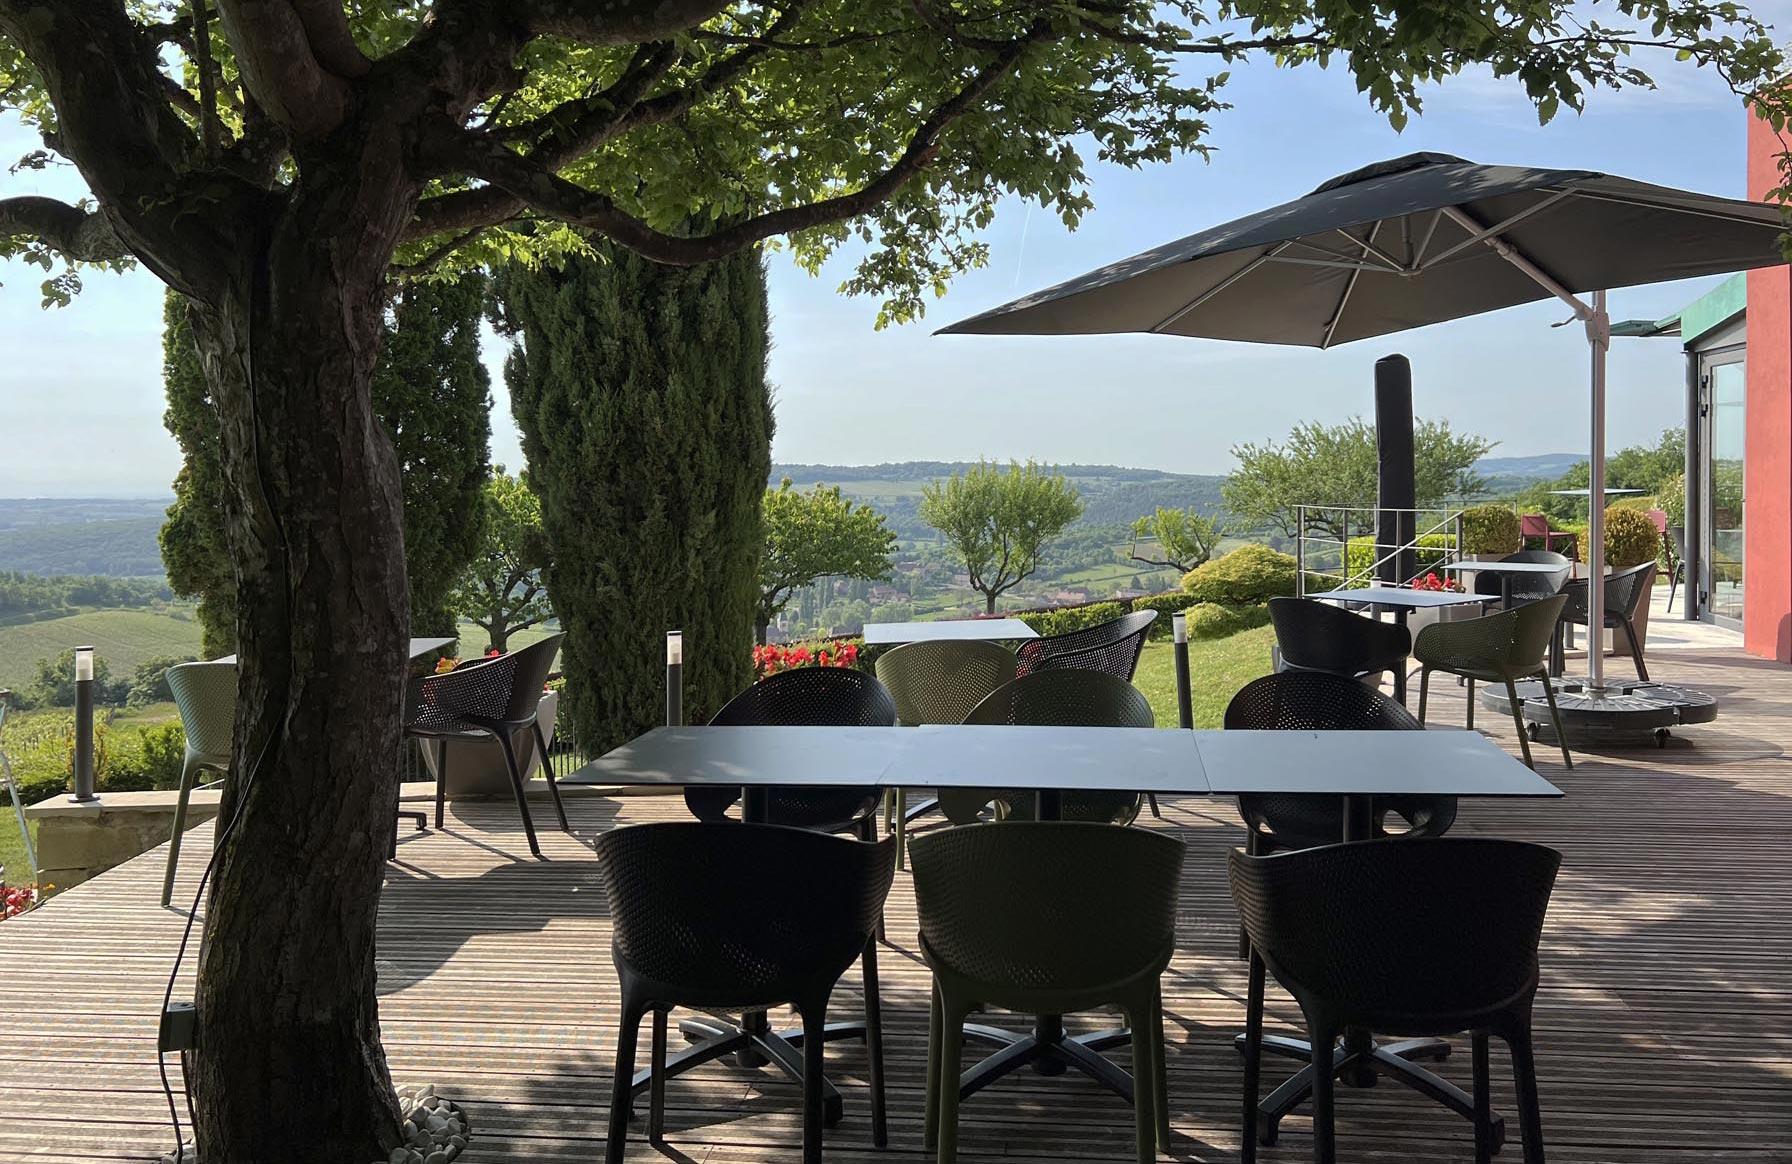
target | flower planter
x=476, y=767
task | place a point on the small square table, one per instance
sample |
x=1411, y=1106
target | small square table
x=1402, y=600
x=988, y=630
x=1507, y=571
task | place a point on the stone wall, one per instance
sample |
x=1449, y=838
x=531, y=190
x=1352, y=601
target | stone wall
x=77, y=842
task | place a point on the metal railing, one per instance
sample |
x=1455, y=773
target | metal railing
x=1338, y=544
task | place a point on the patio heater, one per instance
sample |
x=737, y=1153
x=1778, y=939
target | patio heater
x=674, y=678
x=83, y=726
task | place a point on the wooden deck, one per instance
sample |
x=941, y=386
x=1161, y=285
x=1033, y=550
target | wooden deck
x=1665, y=1022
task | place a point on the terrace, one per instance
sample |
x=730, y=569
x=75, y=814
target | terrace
x=1664, y=1026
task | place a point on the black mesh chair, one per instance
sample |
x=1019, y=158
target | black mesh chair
x=691, y=930
x=1055, y=699
x=1527, y=587
x=1113, y=648
x=1625, y=591
x=1046, y=918
x=493, y=698
x=805, y=697
x=1497, y=648
x=1426, y=937
x=1319, y=636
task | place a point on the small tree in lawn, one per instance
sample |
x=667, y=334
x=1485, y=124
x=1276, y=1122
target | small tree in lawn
x=998, y=521
x=500, y=591
x=1185, y=538
x=813, y=534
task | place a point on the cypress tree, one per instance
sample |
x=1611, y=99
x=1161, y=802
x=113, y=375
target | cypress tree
x=646, y=418
x=435, y=399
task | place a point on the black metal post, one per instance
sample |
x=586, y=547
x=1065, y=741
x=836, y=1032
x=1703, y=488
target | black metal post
x=674, y=678
x=83, y=725
x=1185, y=708
x=1395, y=520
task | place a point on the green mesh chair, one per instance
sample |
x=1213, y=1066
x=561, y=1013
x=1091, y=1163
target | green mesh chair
x=936, y=682
x=1095, y=927
x=1499, y=648
x=205, y=693
x=1067, y=698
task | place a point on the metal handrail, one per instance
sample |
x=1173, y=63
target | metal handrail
x=12, y=789
x=1450, y=523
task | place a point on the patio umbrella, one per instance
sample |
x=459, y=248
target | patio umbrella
x=1408, y=242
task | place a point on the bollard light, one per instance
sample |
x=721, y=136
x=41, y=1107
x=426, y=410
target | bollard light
x=674, y=678
x=83, y=726
x=1185, y=705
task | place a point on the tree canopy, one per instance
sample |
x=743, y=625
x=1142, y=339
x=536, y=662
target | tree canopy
x=500, y=591
x=999, y=520
x=1185, y=538
x=817, y=533
x=1333, y=467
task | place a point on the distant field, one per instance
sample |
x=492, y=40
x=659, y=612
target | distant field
x=123, y=638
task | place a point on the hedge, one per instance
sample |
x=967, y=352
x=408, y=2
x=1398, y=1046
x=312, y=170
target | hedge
x=1066, y=619
x=1214, y=620
x=1359, y=556
x=41, y=749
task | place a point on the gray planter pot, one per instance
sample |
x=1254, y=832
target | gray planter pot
x=476, y=767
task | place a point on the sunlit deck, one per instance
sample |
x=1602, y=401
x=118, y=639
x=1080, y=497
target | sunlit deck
x=1664, y=1025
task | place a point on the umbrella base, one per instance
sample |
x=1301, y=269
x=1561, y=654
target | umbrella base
x=1623, y=711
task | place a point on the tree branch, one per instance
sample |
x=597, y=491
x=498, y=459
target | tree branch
x=282, y=67
x=616, y=21
x=83, y=236
x=526, y=182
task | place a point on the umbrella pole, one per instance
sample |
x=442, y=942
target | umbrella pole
x=1599, y=337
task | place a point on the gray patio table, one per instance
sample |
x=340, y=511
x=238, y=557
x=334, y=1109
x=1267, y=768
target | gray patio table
x=1354, y=766
x=1402, y=600
x=1357, y=767
x=419, y=647
x=990, y=630
x=1507, y=571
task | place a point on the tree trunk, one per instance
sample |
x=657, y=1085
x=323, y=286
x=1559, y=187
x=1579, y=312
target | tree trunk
x=289, y=1064
x=760, y=628
x=989, y=602
x=500, y=638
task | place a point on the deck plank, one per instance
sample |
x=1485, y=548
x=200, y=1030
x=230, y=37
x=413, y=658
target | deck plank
x=1664, y=1024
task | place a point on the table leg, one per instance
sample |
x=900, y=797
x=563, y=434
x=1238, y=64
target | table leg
x=1400, y=615
x=1506, y=591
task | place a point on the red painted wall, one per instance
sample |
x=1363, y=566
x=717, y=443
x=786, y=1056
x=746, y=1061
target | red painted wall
x=1767, y=593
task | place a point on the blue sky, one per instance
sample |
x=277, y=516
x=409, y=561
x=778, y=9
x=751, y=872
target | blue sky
x=82, y=394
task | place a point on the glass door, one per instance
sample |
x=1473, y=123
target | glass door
x=1724, y=380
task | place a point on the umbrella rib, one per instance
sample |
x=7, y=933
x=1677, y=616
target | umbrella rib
x=1517, y=258
x=1234, y=277
x=1331, y=325
x=1369, y=247
x=1418, y=258
x=1737, y=218
x=1482, y=234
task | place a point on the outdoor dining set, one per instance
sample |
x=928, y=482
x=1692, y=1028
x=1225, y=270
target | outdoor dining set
x=1033, y=894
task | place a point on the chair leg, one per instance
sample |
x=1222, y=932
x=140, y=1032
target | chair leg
x=1138, y=1014
x=1524, y=732
x=621, y=1083
x=180, y=827
x=1557, y=656
x=899, y=798
x=547, y=770
x=1160, y=1069
x=952, y=1016
x=1483, y=1101
x=865, y=828
x=1636, y=648
x=656, y=1089
x=1673, y=583
x=516, y=786
x=874, y=1045
x=1424, y=690
x=1524, y=1069
x=1325, y=1149
x=814, y=1065
x=1151, y=799
x=441, y=780
x=1253, y=1059
x=1555, y=721
x=931, y=1101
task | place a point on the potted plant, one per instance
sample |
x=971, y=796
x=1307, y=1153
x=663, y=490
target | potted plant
x=1630, y=540
x=1490, y=532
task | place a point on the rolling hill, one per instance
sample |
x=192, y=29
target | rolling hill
x=123, y=638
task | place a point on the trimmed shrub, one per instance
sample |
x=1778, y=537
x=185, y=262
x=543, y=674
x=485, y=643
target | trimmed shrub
x=1630, y=539
x=1215, y=620
x=1166, y=605
x=1359, y=558
x=1672, y=499
x=1490, y=529
x=1250, y=574
x=1072, y=618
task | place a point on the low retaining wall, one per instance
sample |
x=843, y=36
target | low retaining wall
x=77, y=842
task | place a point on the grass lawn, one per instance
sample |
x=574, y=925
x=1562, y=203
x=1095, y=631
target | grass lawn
x=1218, y=668
x=12, y=851
x=123, y=638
